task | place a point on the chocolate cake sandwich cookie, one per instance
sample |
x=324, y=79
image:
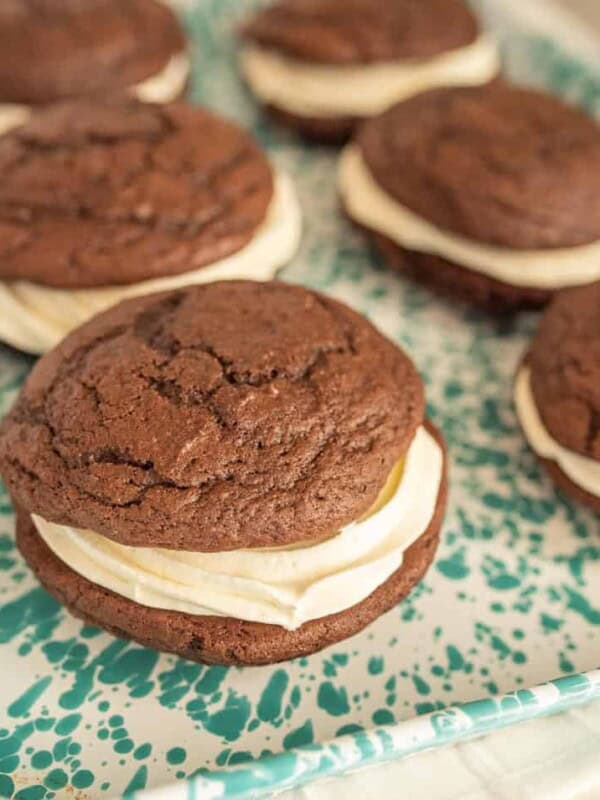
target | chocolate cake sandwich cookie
x=490, y=193
x=56, y=49
x=237, y=472
x=102, y=200
x=557, y=393
x=323, y=65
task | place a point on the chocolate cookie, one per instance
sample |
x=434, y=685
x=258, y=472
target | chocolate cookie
x=323, y=66
x=303, y=409
x=116, y=192
x=223, y=640
x=54, y=49
x=491, y=164
x=563, y=371
x=471, y=189
x=362, y=31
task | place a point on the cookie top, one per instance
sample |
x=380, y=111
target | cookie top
x=53, y=49
x=114, y=192
x=565, y=369
x=347, y=32
x=222, y=416
x=498, y=164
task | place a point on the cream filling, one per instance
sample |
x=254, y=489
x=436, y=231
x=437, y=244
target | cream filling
x=280, y=586
x=322, y=90
x=166, y=85
x=163, y=87
x=35, y=318
x=12, y=115
x=581, y=470
x=367, y=203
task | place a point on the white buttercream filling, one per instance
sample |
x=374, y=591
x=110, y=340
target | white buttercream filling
x=581, y=470
x=35, y=317
x=367, y=203
x=323, y=90
x=166, y=85
x=12, y=115
x=163, y=87
x=280, y=586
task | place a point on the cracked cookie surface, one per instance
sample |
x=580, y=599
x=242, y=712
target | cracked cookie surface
x=498, y=164
x=53, y=49
x=97, y=193
x=565, y=369
x=222, y=416
x=347, y=32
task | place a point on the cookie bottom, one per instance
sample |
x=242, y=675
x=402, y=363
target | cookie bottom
x=326, y=130
x=452, y=280
x=567, y=487
x=223, y=640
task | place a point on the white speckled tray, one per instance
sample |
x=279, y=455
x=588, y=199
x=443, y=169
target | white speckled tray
x=512, y=601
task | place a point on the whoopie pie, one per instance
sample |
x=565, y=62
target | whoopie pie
x=237, y=472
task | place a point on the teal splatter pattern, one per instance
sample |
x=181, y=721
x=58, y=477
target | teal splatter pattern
x=513, y=598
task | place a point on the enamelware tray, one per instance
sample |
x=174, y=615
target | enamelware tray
x=511, y=602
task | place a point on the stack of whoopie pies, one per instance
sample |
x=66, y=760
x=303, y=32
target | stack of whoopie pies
x=240, y=471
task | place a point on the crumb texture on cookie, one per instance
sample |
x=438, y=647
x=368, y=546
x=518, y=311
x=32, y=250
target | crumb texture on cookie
x=497, y=164
x=345, y=32
x=565, y=369
x=115, y=192
x=223, y=416
x=53, y=49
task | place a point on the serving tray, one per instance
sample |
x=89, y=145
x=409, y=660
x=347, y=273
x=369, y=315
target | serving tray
x=511, y=602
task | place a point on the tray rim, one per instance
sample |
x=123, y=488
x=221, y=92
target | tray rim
x=379, y=744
